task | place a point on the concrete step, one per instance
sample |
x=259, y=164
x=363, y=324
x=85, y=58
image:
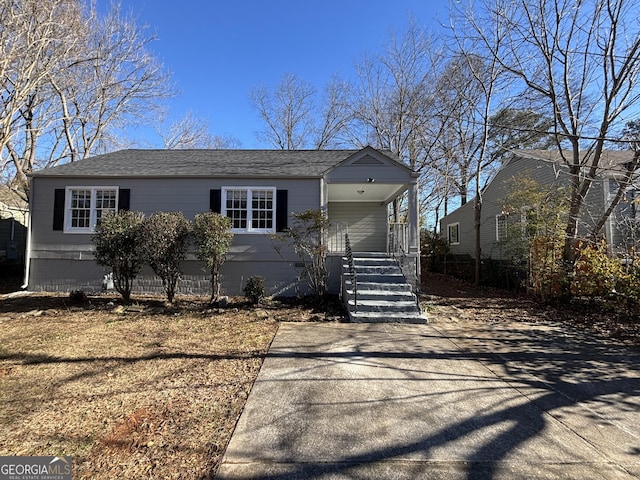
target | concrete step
x=380, y=278
x=374, y=261
x=388, y=287
x=371, y=255
x=384, y=306
x=371, y=269
x=378, y=294
x=387, y=317
x=383, y=294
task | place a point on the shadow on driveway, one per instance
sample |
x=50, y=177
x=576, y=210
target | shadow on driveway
x=444, y=401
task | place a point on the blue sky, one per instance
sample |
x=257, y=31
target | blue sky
x=218, y=50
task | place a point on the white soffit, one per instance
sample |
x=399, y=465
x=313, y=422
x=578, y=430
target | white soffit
x=362, y=192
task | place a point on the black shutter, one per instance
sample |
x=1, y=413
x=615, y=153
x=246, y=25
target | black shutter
x=58, y=209
x=124, y=199
x=215, y=200
x=282, y=210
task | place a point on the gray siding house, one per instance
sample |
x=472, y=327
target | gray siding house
x=545, y=167
x=354, y=187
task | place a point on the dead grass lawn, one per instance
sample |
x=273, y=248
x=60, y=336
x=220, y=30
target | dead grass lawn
x=140, y=393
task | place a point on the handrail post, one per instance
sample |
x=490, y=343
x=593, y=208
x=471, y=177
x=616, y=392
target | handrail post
x=352, y=271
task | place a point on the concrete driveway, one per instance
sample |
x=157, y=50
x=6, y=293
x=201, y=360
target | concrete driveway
x=440, y=401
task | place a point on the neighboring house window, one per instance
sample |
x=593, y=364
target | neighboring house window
x=453, y=233
x=506, y=222
x=251, y=209
x=502, y=227
x=86, y=206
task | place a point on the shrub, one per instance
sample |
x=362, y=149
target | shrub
x=117, y=245
x=598, y=274
x=165, y=241
x=308, y=238
x=254, y=289
x=595, y=273
x=213, y=236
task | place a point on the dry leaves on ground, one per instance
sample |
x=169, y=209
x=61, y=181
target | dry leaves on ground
x=150, y=391
x=129, y=392
x=447, y=299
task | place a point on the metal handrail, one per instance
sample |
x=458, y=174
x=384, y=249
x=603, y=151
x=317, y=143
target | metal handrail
x=352, y=271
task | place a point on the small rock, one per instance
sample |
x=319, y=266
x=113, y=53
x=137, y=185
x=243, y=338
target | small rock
x=223, y=302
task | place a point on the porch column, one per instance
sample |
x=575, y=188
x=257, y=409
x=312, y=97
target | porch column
x=324, y=196
x=414, y=218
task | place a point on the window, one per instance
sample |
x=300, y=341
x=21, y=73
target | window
x=502, y=227
x=251, y=210
x=453, y=233
x=86, y=206
x=510, y=224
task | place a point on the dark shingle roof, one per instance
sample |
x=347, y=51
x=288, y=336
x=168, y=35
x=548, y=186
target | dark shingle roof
x=207, y=163
x=609, y=158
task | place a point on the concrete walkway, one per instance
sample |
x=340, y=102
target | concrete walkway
x=439, y=401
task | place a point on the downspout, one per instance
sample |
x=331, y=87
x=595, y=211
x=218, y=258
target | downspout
x=27, y=254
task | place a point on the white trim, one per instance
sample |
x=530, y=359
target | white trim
x=449, y=225
x=27, y=256
x=505, y=218
x=250, y=190
x=92, y=207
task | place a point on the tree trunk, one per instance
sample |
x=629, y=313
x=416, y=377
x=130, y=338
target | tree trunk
x=478, y=249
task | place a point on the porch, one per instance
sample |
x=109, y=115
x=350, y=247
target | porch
x=357, y=196
x=396, y=241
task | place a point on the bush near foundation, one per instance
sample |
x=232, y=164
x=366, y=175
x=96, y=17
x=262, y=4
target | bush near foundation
x=118, y=244
x=165, y=241
x=254, y=289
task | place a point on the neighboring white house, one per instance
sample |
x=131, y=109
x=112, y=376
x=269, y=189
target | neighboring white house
x=545, y=167
x=257, y=189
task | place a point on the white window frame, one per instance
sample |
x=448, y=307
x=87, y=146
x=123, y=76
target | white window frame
x=449, y=226
x=504, y=218
x=93, y=211
x=250, y=211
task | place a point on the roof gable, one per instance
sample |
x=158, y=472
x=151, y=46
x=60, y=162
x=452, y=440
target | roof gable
x=369, y=156
x=370, y=166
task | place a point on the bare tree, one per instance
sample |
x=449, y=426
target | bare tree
x=28, y=51
x=297, y=117
x=287, y=112
x=335, y=115
x=576, y=61
x=71, y=79
x=489, y=82
x=192, y=131
x=392, y=93
x=391, y=101
x=458, y=112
